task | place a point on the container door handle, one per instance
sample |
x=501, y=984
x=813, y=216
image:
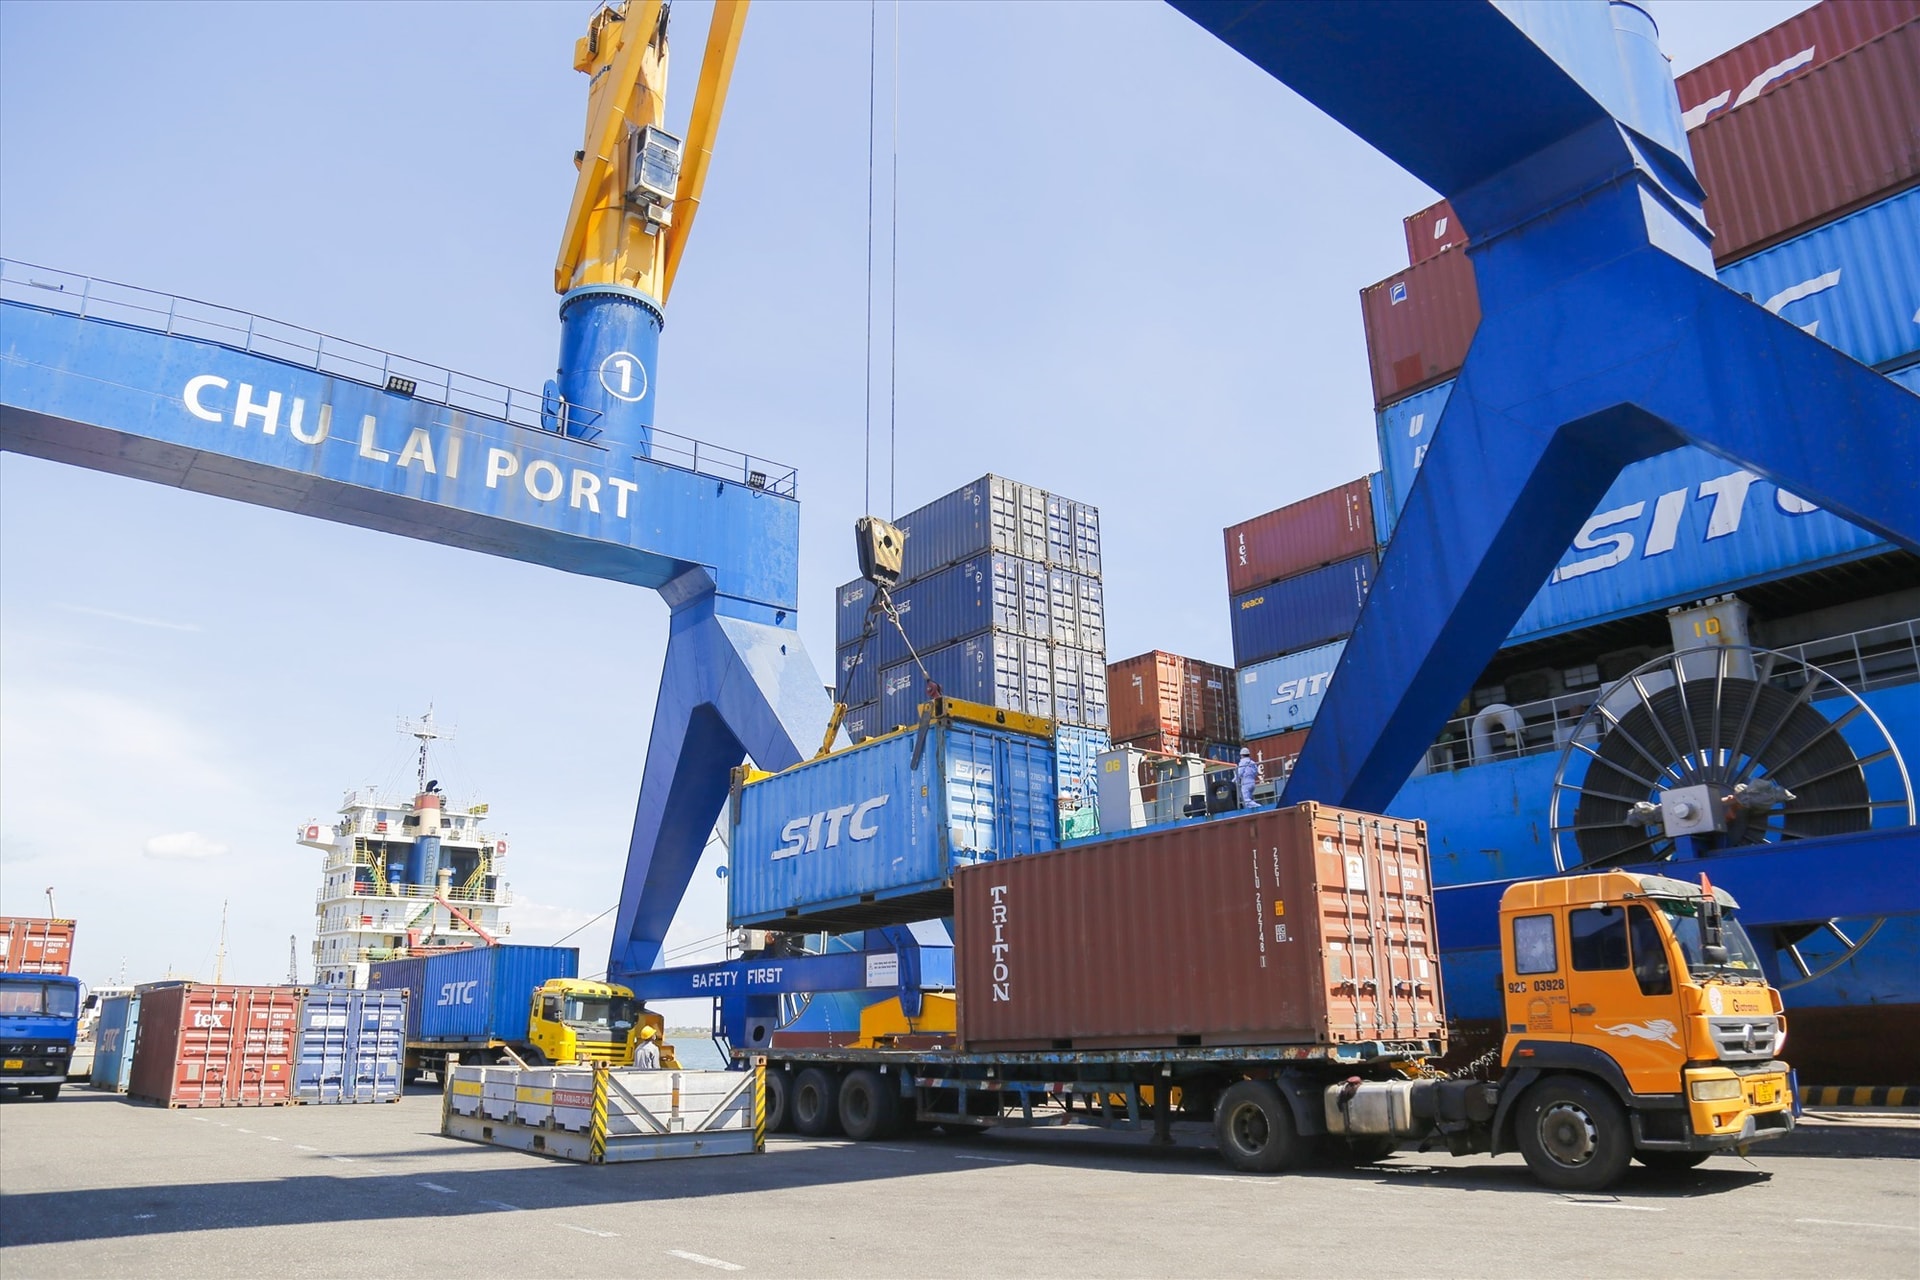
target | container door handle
x=1585, y=1010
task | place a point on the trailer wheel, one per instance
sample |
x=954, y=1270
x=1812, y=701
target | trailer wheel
x=1671, y=1161
x=779, y=1101
x=816, y=1111
x=1573, y=1134
x=1254, y=1126
x=868, y=1108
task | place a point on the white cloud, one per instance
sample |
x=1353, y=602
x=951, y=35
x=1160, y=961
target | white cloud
x=134, y=619
x=184, y=844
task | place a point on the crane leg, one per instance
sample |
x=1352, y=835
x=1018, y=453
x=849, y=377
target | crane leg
x=732, y=688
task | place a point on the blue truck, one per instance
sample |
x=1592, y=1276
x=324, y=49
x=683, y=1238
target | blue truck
x=39, y=1024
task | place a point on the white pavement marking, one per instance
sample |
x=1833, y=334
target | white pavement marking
x=905, y=1151
x=1877, y=1226
x=141, y=1217
x=342, y=1159
x=243, y=1131
x=988, y=1159
x=589, y=1231
x=434, y=1186
x=501, y=1204
x=705, y=1261
x=1613, y=1204
x=301, y=1146
x=270, y=1138
x=201, y=1120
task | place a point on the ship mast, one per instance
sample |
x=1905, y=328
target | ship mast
x=426, y=731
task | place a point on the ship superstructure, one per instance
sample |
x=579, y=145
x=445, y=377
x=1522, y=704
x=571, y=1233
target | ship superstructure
x=404, y=875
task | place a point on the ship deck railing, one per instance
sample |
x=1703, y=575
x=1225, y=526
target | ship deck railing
x=415, y=892
x=1873, y=658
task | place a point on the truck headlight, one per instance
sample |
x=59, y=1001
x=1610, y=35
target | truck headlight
x=1715, y=1090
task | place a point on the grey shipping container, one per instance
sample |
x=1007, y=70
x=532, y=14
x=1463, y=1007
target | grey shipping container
x=351, y=1046
x=1301, y=926
x=997, y=670
x=994, y=513
x=989, y=592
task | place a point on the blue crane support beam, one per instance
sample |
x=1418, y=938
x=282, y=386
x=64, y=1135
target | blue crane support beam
x=1554, y=130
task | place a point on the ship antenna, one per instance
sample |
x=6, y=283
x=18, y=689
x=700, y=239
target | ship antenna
x=293, y=960
x=220, y=957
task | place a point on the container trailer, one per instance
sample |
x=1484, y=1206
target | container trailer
x=1275, y=974
x=483, y=1003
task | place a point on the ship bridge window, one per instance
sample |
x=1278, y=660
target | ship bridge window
x=1584, y=676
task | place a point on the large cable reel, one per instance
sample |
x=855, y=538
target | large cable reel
x=1725, y=748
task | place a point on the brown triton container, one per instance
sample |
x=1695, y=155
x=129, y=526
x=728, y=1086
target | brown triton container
x=1811, y=38
x=1419, y=325
x=35, y=944
x=1304, y=535
x=207, y=1046
x=1300, y=926
x=1436, y=229
x=1819, y=146
x=1160, y=693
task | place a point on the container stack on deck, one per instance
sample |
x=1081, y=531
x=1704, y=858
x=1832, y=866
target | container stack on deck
x=1163, y=702
x=1296, y=578
x=1001, y=602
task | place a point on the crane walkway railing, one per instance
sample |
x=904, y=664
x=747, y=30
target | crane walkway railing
x=114, y=303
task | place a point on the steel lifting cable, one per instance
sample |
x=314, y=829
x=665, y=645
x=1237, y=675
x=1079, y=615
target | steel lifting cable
x=893, y=281
x=873, y=42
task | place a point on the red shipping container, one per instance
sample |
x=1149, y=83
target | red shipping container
x=1419, y=325
x=1809, y=39
x=1301, y=926
x=35, y=944
x=1330, y=526
x=1819, y=146
x=1436, y=229
x=207, y=1046
x=1164, y=693
x=1276, y=754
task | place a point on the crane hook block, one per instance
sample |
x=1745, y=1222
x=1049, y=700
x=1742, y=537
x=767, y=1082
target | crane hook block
x=882, y=548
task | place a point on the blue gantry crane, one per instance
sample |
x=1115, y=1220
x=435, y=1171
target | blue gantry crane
x=1552, y=127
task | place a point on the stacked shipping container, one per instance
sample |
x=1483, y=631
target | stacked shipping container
x=216, y=1046
x=1297, y=577
x=1001, y=602
x=1174, y=705
x=1807, y=140
x=35, y=944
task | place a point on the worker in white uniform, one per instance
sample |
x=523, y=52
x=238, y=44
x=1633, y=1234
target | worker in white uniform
x=1246, y=773
x=647, y=1055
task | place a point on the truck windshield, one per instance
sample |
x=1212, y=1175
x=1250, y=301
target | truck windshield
x=1742, y=961
x=26, y=998
x=602, y=1011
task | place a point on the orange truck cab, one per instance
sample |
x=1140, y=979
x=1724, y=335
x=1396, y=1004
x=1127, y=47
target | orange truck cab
x=1639, y=1026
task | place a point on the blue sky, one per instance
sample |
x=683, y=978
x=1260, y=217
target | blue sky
x=1128, y=271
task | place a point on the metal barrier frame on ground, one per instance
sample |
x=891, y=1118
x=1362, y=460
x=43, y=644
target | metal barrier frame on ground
x=603, y=1115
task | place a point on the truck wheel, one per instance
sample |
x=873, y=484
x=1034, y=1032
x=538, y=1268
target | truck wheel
x=534, y=1057
x=868, y=1108
x=48, y=1091
x=816, y=1111
x=779, y=1101
x=1254, y=1126
x=1573, y=1134
x=1671, y=1161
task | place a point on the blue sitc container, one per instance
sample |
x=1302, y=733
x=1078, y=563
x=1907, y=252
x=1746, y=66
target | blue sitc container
x=1076, y=749
x=1673, y=528
x=478, y=994
x=1078, y=604
x=862, y=722
x=1384, y=507
x=1079, y=686
x=856, y=674
x=113, y=1040
x=351, y=1046
x=1853, y=283
x=994, y=591
x=869, y=832
x=1908, y=377
x=1308, y=609
x=996, y=669
x=850, y=604
x=1285, y=693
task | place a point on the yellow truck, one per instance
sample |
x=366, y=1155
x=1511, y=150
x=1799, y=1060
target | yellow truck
x=573, y=1020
